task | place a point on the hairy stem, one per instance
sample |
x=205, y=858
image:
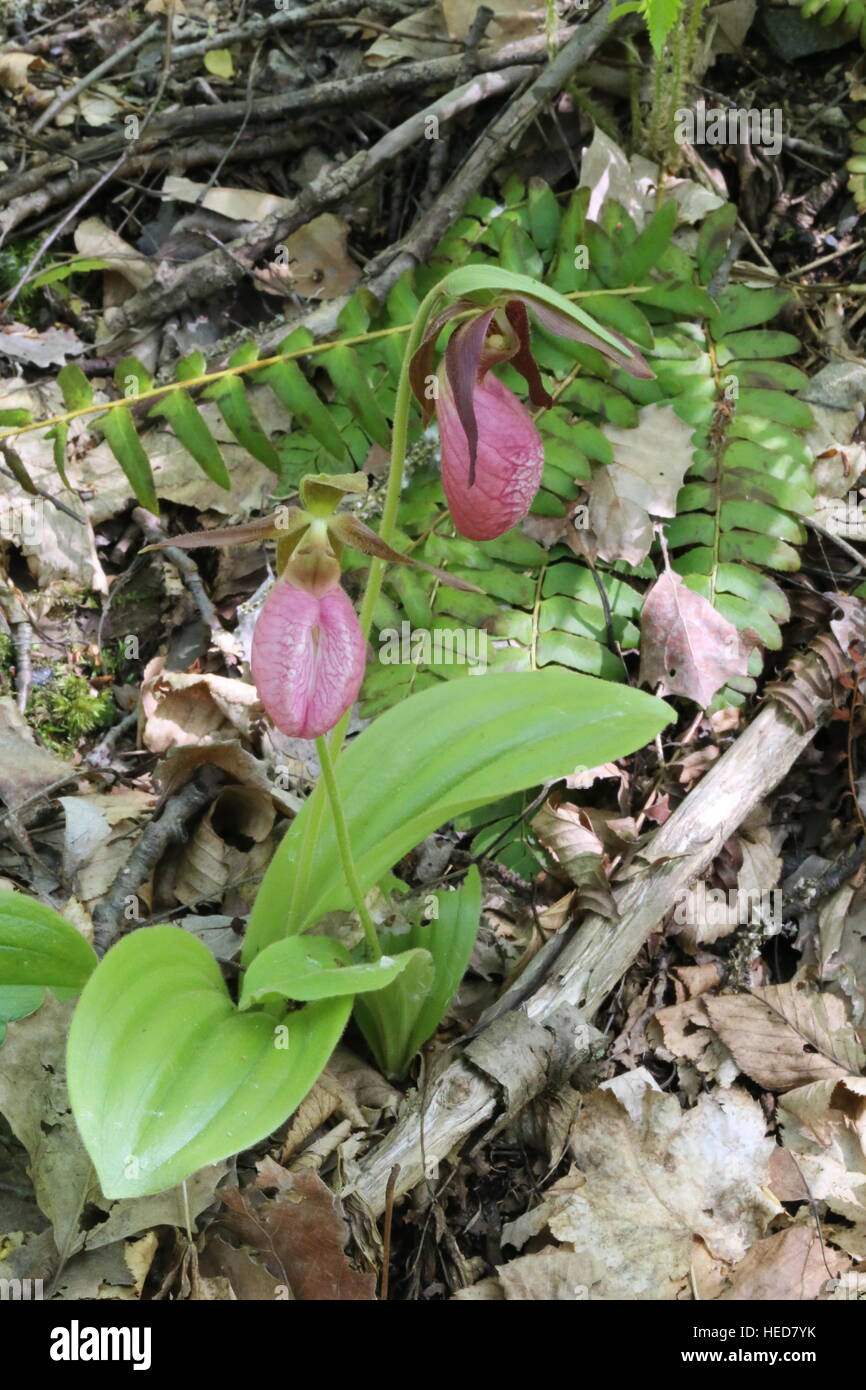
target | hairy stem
x=345, y=847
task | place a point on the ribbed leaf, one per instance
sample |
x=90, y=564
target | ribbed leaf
x=462, y=744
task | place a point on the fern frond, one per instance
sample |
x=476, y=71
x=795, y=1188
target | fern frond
x=849, y=13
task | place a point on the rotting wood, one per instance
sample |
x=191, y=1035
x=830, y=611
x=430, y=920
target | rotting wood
x=461, y=1098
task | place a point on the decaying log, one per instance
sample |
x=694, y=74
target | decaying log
x=469, y=1092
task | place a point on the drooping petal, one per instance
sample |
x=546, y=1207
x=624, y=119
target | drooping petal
x=307, y=659
x=462, y=368
x=562, y=326
x=508, y=463
x=522, y=359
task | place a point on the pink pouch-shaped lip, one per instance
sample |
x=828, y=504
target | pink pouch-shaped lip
x=508, y=463
x=308, y=657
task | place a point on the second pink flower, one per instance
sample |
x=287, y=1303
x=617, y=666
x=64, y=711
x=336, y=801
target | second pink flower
x=307, y=659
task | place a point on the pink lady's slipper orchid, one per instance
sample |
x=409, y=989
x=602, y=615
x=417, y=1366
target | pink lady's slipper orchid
x=308, y=651
x=492, y=454
x=308, y=657
x=509, y=458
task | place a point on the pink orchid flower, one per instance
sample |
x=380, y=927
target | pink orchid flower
x=308, y=651
x=308, y=657
x=492, y=454
x=509, y=459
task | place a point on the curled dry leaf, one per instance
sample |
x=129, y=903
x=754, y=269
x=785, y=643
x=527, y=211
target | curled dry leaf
x=178, y=709
x=216, y=856
x=687, y=647
x=566, y=831
x=181, y=764
x=685, y=1034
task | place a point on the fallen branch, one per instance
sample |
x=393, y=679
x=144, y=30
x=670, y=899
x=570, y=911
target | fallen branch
x=45, y=192
x=577, y=970
x=382, y=273
x=216, y=272
x=262, y=27
x=167, y=829
x=183, y=563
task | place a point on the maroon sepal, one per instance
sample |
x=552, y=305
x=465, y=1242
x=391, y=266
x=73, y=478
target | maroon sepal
x=522, y=360
x=421, y=365
x=564, y=327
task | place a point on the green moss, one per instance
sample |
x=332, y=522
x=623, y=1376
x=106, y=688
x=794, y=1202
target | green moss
x=13, y=261
x=66, y=708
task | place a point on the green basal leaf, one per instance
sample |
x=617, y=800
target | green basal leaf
x=440, y=753
x=398, y=1021
x=40, y=948
x=387, y=1019
x=166, y=1075
x=316, y=967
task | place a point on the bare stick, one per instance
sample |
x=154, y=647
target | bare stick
x=215, y=271
x=183, y=563
x=165, y=830
x=63, y=100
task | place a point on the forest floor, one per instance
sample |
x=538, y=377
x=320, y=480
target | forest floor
x=649, y=1085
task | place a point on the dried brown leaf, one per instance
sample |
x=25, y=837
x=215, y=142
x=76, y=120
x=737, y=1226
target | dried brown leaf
x=300, y=1236
x=651, y=1177
x=687, y=647
x=784, y=1036
x=790, y=1265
